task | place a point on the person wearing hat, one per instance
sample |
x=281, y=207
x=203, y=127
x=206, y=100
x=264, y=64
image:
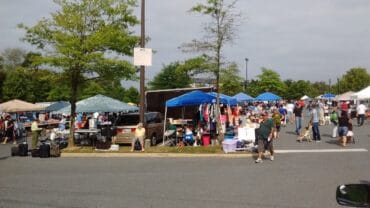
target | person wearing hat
x=140, y=135
x=265, y=137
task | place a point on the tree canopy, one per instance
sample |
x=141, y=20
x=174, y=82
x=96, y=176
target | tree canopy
x=170, y=77
x=86, y=39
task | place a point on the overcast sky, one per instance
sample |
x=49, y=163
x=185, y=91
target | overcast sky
x=314, y=40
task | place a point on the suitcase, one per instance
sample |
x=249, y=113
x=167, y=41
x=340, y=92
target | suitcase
x=44, y=150
x=54, y=150
x=15, y=151
x=23, y=149
x=35, y=153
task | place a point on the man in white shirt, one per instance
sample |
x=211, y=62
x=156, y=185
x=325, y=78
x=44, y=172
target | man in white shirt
x=290, y=109
x=361, y=110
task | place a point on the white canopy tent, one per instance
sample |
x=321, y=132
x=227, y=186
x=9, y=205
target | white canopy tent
x=305, y=97
x=345, y=96
x=363, y=94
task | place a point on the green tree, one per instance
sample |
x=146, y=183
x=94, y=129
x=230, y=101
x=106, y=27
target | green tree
x=170, y=77
x=131, y=95
x=319, y=88
x=80, y=35
x=2, y=79
x=219, y=31
x=354, y=80
x=1, y=62
x=297, y=89
x=30, y=60
x=113, y=89
x=230, y=81
x=91, y=89
x=31, y=86
x=269, y=81
x=13, y=57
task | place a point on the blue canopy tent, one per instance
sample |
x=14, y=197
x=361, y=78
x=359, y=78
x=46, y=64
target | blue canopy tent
x=195, y=97
x=328, y=96
x=242, y=97
x=268, y=96
x=225, y=99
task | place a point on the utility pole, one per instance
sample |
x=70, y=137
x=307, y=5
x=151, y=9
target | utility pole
x=142, y=68
x=246, y=74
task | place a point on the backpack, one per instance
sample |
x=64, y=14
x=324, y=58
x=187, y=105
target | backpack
x=137, y=145
x=334, y=117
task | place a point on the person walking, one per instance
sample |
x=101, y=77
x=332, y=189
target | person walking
x=35, y=132
x=361, y=110
x=8, y=129
x=343, y=123
x=290, y=109
x=276, y=117
x=334, y=121
x=283, y=112
x=298, y=118
x=315, y=119
x=265, y=137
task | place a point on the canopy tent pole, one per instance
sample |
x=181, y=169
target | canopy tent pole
x=164, y=124
x=182, y=112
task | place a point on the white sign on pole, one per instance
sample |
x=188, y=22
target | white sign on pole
x=142, y=56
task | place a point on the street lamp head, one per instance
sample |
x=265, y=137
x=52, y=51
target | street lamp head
x=246, y=59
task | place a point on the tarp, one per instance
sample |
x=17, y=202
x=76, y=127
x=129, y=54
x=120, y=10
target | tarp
x=225, y=99
x=195, y=97
x=268, y=96
x=99, y=103
x=328, y=96
x=345, y=96
x=19, y=106
x=362, y=94
x=242, y=97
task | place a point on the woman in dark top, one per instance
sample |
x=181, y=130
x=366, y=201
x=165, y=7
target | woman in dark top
x=343, y=123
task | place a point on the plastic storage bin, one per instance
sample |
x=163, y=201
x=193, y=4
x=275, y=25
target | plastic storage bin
x=229, y=146
x=206, y=138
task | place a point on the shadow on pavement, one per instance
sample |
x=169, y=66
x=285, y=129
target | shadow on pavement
x=365, y=182
x=333, y=141
x=4, y=158
x=291, y=132
x=326, y=135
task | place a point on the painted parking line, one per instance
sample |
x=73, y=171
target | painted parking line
x=321, y=150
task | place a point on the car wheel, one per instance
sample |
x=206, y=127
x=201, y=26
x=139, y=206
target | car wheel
x=153, y=140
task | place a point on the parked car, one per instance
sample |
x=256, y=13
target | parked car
x=126, y=125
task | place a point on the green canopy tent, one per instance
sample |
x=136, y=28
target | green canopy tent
x=98, y=103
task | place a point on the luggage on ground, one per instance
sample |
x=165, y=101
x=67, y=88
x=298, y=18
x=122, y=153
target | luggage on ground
x=44, y=150
x=15, y=151
x=23, y=149
x=35, y=153
x=54, y=150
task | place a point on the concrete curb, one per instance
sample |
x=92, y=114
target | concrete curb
x=154, y=155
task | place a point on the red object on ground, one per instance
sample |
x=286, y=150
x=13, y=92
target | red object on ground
x=206, y=139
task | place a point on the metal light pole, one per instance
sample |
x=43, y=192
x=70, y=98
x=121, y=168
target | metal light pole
x=142, y=68
x=246, y=74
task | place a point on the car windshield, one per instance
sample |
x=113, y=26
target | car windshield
x=127, y=120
